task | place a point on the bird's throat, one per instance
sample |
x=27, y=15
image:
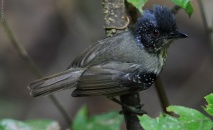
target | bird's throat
x=162, y=57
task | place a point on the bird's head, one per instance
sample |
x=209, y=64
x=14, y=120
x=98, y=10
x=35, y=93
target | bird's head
x=156, y=29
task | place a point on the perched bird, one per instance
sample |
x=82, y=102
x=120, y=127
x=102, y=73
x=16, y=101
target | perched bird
x=124, y=63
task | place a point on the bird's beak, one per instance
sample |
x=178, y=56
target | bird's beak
x=177, y=34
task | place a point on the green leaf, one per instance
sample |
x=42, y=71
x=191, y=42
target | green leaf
x=138, y=4
x=209, y=107
x=189, y=119
x=10, y=124
x=80, y=120
x=186, y=5
x=107, y=121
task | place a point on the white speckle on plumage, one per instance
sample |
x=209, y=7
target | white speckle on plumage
x=134, y=80
x=129, y=78
x=138, y=77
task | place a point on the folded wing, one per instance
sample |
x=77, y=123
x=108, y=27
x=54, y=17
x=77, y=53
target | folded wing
x=106, y=79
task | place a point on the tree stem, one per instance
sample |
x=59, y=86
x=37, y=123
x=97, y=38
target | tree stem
x=208, y=30
x=131, y=119
x=114, y=18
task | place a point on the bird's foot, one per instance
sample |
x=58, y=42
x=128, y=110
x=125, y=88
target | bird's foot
x=130, y=109
x=134, y=110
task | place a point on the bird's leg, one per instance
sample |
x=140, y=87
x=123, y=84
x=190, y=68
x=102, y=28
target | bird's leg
x=133, y=109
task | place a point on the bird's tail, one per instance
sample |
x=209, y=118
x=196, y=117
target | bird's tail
x=54, y=83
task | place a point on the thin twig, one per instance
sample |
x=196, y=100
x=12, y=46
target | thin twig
x=175, y=9
x=21, y=51
x=32, y=66
x=162, y=95
x=208, y=30
x=203, y=15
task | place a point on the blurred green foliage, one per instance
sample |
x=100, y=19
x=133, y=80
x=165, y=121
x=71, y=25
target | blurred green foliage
x=186, y=5
x=43, y=124
x=108, y=121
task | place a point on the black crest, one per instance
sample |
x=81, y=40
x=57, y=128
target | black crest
x=160, y=16
x=164, y=17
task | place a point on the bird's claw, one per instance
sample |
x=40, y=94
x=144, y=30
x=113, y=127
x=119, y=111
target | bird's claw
x=134, y=110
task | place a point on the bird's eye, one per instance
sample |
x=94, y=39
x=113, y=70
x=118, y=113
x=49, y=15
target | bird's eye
x=155, y=32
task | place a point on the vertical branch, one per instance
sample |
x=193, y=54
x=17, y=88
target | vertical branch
x=32, y=66
x=203, y=15
x=114, y=18
x=208, y=30
x=131, y=119
x=162, y=95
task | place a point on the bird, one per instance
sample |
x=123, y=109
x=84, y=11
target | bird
x=125, y=63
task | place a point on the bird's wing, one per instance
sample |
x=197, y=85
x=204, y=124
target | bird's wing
x=96, y=49
x=112, y=78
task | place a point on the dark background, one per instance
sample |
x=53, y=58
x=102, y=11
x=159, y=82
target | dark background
x=54, y=32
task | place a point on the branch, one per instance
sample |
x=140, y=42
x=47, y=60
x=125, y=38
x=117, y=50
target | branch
x=175, y=9
x=162, y=95
x=32, y=66
x=131, y=119
x=114, y=18
x=200, y=3
x=208, y=30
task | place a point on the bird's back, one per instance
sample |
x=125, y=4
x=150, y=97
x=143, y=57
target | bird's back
x=121, y=48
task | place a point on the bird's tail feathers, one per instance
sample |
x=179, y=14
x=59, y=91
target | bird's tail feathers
x=54, y=83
